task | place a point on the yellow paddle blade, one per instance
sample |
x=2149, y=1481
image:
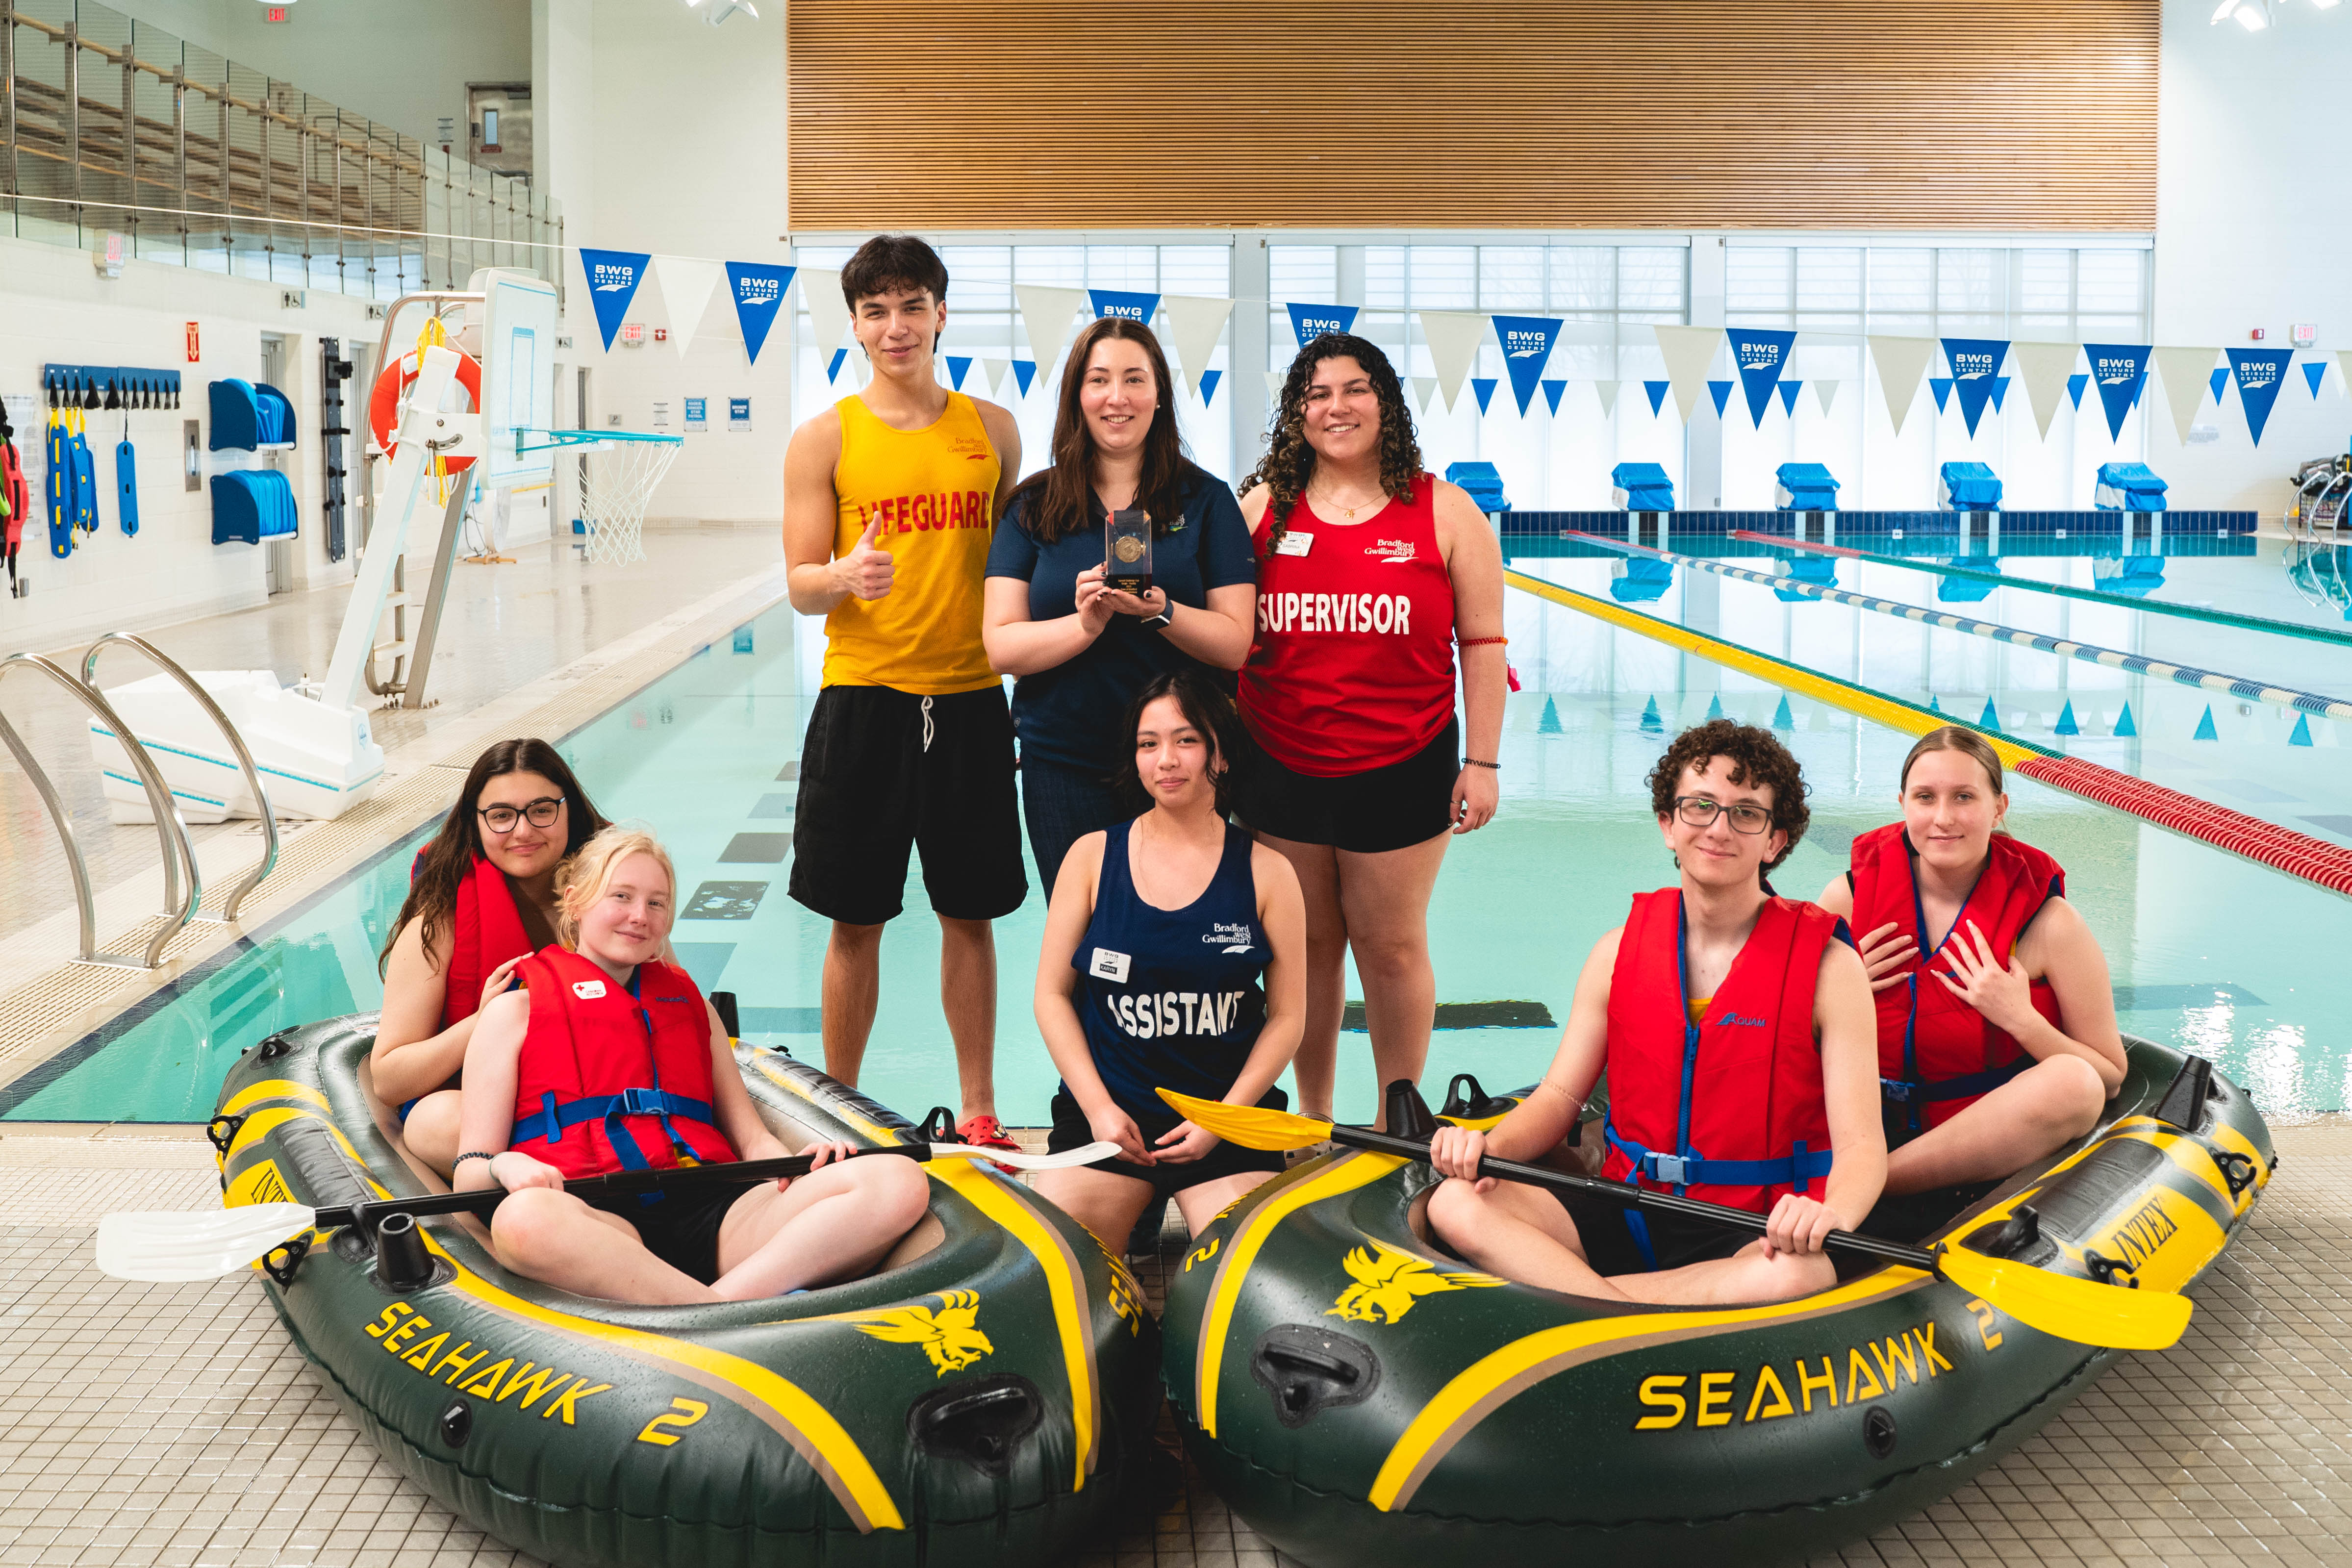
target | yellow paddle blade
x=2083, y=1311
x=1250, y=1126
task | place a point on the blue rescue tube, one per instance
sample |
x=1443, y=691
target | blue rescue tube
x=126, y=484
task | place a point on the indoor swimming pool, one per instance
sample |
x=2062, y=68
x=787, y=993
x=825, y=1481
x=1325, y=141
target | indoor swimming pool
x=2209, y=951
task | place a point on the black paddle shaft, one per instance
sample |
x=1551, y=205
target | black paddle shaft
x=1634, y=1197
x=620, y=1183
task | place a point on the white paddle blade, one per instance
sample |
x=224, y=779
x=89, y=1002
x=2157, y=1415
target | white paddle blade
x=1068, y=1160
x=170, y=1246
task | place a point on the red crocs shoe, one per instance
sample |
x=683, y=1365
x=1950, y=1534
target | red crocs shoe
x=986, y=1132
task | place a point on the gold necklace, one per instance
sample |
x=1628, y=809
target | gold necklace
x=1347, y=513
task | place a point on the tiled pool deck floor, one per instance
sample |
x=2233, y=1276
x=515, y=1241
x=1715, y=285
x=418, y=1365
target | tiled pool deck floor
x=177, y=1425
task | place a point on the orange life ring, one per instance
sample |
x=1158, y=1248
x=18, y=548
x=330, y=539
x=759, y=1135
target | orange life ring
x=383, y=402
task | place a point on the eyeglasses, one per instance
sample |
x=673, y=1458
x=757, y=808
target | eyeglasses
x=1698, y=811
x=541, y=813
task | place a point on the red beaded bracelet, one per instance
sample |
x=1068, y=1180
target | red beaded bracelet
x=1481, y=642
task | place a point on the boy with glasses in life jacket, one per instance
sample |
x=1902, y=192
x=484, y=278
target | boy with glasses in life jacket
x=610, y=1060
x=1740, y=1043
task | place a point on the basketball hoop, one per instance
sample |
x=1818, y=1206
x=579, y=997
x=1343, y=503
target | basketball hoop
x=621, y=470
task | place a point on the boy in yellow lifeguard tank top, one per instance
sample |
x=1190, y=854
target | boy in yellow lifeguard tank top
x=890, y=497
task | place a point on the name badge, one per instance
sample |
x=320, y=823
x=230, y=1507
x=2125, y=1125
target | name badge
x=1108, y=965
x=1294, y=543
x=588, y=990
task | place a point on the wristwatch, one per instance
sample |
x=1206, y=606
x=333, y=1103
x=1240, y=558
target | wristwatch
x=1160, y=622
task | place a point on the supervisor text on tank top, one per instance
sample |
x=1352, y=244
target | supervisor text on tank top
x=933, y=495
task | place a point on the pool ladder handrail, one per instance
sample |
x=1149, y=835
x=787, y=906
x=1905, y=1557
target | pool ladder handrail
x=212, y=710
x=2314, y=492
x=173, y=832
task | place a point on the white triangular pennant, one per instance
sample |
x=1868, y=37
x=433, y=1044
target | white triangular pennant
x=1607, y=391
x=1194, y=326
x=828, y=312
x=2344, y=360
x=2188, y=381
x=1688, y=351
x=1453, y=337
x=995, y=370
x=1049, y=316
x=1901, y=365
x=1825, y=391
x=1274, y=379
x=2044, y=367
x=1424, y=388
x=687, y=284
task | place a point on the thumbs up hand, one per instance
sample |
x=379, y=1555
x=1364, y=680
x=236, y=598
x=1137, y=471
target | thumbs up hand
x=865, y=571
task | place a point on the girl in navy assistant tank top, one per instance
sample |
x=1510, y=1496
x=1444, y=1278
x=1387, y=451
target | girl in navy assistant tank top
x=1174, y=958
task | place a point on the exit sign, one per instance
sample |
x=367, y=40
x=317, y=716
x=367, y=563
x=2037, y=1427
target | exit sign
x=277, y=13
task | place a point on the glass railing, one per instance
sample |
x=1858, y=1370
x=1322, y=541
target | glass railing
x=110, y=126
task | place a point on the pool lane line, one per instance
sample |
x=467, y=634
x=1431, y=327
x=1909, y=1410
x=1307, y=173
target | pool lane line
x=2298, y=855
x=2090, y=595
x=2089, y=653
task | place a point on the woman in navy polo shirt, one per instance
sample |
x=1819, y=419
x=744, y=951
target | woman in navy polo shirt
x=1081, y=650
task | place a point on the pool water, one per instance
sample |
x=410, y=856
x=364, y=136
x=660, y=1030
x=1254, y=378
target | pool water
x=2209, y=953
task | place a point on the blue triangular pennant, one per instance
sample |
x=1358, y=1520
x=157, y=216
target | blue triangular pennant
x=2217, y=381
x=1552, y=391
x=1759, y=357
x=1942, y=387
x=2260, y=372
x=1650, y=723
x=2302, y=735
x=1714, y=706
x=2075, y=385
x=1721, y=392
x=1527, y=346
x=1999, y=390
x=1974, y=362
x=1024, y=371
x=1787, y=391
x=2205, y=731
x=2314, y=371
x=1934, y=706
x=1782, y=718
x=2121, y=371
x=612, y=279
x=1549, y=723
x=959, y=366
x=2066, y=725
x=758, y=290
x=1484, y=386
x=1657, y=391
x=2125, y=728
x=1120, y=303
x=1990, y=718
x=832, y=370
x=1311, y=321
x=1208, y=379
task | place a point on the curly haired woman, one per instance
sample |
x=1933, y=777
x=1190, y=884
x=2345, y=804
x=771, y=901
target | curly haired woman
x=1368, y=572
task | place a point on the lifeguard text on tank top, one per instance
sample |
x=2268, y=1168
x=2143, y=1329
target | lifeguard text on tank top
x=1352, y=668
x=930, y=497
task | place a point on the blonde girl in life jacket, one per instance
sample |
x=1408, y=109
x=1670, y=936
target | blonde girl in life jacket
x=611, y=1059
x=1984, y=1095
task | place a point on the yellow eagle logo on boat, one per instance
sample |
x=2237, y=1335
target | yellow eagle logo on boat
x=1389, y=1281
x=950, y=1336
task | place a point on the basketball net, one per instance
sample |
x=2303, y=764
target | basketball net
x=618, y=483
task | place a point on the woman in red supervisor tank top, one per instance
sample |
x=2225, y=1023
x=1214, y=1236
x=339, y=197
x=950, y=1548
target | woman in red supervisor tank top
x=2000, y=1046
x=1370, y=572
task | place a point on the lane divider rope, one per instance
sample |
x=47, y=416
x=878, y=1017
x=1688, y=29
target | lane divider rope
x=2089, y=653
x=2328, y=866
x=2063, y=590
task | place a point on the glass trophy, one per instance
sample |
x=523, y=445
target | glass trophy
x=1127, y=551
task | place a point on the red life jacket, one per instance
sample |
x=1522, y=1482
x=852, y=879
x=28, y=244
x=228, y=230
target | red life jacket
x=485, y=930
x=1731, y=1109
x=614, y=1076
x=1936, y=1055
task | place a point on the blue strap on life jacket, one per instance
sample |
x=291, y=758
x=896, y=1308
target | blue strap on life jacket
x=1795, y=1170
x=1917, y=1092
x=1639, y=1228
x=554, y=1116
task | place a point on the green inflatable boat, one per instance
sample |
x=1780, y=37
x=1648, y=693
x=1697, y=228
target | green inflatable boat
x=978, y=1400
x=1361, y=1397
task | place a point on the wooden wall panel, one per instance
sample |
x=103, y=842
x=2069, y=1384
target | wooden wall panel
x=2009, y=114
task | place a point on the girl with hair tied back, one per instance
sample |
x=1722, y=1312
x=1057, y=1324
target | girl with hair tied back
x=1997, y=1037
x=482, y=898
x=1370, y=572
